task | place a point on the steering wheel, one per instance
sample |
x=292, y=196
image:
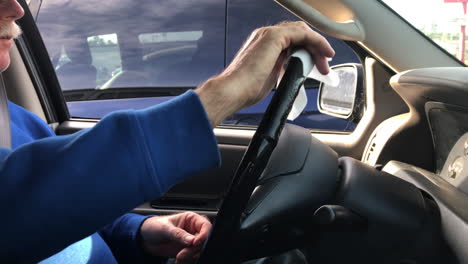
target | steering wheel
x=307, y=188
x=221, y=244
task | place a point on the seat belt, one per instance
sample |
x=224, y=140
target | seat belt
x=5, y=132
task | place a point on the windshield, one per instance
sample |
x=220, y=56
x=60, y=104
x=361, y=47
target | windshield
x=443, y=21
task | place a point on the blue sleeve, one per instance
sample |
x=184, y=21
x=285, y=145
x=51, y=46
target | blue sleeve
x=122, y=238
x=58, y=190
x=121, y=235
x=26, y=126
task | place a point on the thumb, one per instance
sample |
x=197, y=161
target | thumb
x=180, y=236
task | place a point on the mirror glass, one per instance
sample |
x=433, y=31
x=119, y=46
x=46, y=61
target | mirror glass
x=339, y=100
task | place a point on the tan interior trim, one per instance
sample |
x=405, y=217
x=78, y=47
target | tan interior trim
x=398, y=44
x=18, y=84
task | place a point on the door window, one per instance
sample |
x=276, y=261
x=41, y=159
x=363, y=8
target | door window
x=138, y=43
x=119, y=54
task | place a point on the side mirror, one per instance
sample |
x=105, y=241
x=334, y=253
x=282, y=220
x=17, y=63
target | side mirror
x=343, y=101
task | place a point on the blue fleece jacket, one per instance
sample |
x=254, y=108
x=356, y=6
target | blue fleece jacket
x=57, y=190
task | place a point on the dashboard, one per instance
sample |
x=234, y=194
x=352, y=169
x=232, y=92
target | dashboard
x=432, y=145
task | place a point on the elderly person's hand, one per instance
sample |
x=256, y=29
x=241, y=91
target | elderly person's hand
x=256, y=68
x=180, y=236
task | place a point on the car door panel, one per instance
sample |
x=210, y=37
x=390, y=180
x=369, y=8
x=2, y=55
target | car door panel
x=201, y=192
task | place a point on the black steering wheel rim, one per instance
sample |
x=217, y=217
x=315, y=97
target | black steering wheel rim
x=220, y=247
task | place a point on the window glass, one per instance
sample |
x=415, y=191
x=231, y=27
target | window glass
x=119, y=54
x=443, y=21
x=245, y=16
x=133, y=43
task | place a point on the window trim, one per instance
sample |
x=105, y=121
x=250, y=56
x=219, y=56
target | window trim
x=40, y=69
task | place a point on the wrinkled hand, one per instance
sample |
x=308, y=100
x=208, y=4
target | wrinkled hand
x=180, y=236
x=256, y=68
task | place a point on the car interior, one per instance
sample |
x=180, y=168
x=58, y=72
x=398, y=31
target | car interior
x=394, y=190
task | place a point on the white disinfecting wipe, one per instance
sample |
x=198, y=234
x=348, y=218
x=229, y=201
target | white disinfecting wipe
x=299, y=104
x=331, y=79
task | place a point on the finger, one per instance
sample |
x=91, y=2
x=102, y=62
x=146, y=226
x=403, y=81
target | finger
x=195, y=222
x=179, y=235
x=322, y=64
x=321, y=52
x=187, y=255
x=203, y=233
x=320, y=43
x=280, y=64
x=300, y=34
x=321, y=55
